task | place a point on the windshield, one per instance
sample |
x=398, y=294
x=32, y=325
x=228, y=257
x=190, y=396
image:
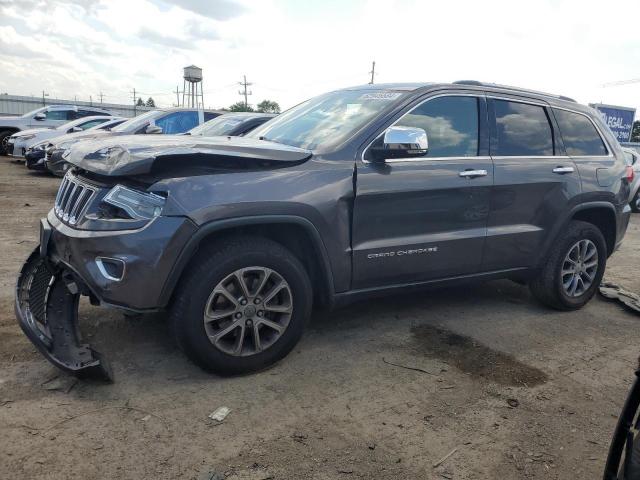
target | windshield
x=328, y=119
x=71, y=124
x=221, y=125
x=134, y=124
x=33, y=112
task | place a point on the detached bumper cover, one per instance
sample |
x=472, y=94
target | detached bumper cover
x=64, y=267
x=46, y=308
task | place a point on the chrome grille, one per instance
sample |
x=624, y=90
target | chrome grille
x=73, y=199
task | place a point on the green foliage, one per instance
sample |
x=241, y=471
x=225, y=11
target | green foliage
x=151, y=103
x=240, y=107
x=140, y=103
x=268, y=106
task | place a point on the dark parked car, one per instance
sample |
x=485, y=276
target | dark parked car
x=169, y=121
x=231, y=124
x=365, y=191
x=35, y=154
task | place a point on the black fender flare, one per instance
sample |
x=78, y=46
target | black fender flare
x=560, y=224
x=206, y=229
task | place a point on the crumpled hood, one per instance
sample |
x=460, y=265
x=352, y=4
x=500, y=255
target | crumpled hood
x=144, y=154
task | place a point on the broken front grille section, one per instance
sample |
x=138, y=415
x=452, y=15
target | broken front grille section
x=74, y=196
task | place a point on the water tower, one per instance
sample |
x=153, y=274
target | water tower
x=192, y=96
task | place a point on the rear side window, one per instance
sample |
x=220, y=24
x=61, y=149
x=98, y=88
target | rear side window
x=522, y=130
x=451, y=124
x=579, y=135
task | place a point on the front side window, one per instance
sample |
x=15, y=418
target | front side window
x=579, y=135
x=451, y=124
x=178, y=122
x=59, y=114
x=92, y=123
x=522, y=130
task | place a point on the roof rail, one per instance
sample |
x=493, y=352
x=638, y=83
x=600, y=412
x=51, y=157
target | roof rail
x=515, y=89
x=468, y=82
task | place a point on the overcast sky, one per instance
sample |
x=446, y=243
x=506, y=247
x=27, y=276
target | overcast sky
x=292, y=50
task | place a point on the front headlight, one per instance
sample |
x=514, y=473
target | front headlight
x=138, y=205
x=63, y=145
x=25, y=137
x=40, y=147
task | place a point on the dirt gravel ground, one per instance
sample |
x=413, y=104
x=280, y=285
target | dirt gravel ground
x=513, y=389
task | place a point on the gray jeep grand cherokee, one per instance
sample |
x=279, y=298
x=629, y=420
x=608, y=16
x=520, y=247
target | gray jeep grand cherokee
x=358, y=192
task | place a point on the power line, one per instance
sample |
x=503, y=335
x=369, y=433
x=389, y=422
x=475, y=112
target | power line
x=245, y=84
x=621, y=82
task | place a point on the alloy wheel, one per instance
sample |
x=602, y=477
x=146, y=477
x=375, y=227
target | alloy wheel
x=248, y=311
x=579, y=268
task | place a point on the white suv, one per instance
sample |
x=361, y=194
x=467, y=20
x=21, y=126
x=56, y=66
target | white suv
x=47, y=117
x=19, y=142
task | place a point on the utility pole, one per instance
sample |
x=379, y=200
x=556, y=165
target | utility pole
x=372, y=72
x=101, y=95
x=245, y=84
x=91, y=100
x=134, y=102
x=177, y=96
x=44, y=95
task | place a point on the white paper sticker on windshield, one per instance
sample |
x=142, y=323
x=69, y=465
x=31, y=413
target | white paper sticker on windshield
x=353, y=108
x=380, y=96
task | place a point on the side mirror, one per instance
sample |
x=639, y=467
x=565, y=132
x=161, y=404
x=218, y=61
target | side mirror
x=75, y=129
x=153, y=129
x=401, y=142
x=40, y=116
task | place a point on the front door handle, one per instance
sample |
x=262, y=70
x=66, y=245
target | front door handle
x=473, y=173
x=562, y=170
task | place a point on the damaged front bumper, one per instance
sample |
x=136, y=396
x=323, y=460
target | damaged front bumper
x=46, y=307
x=71, y=262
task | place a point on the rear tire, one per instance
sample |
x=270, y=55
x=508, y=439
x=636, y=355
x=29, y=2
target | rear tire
x=633, y=466
x=229, y=327
x=567, y=281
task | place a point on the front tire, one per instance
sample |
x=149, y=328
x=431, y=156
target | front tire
x=241, y=306
x=4, y=139
x=574, y=269
x=634, y=203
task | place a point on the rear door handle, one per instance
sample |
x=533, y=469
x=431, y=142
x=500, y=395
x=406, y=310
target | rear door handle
x=562, y=170
x=473, y=173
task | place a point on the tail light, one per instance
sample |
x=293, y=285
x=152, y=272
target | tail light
x=630, y=173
